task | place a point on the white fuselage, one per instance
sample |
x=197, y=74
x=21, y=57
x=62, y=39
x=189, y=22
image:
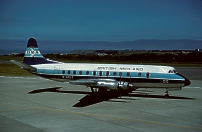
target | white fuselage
x=140, y=76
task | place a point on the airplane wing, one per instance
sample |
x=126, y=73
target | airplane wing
x=24, y=66
x=97, y=83
x=84, y=82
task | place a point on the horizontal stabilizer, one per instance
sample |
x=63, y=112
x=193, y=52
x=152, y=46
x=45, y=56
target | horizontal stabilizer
x=24, y=66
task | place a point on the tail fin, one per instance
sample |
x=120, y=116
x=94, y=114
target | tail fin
x=33, y=56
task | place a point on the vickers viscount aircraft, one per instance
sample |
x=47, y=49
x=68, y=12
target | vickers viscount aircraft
x=102, y=77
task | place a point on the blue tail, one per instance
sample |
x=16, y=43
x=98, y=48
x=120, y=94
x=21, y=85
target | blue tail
x=33, y=56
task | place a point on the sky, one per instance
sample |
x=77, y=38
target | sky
x=100, y=20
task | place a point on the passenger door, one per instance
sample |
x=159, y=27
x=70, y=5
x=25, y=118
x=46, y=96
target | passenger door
x=56, y=71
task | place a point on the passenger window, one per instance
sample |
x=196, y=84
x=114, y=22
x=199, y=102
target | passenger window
x=139, y=74
x=63, y=71
x=114, y=73
x=80, y=72
x=120, y=73
x=94, y=73
x=128, y=74
x=87, y=72
x=147, y=74
x=74, y=72
x=68, y=72
x=107, y=73
x=100, y=73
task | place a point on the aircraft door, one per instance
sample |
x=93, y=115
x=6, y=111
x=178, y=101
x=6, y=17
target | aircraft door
x=56, y=71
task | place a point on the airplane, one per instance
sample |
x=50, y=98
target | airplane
x=102, y=77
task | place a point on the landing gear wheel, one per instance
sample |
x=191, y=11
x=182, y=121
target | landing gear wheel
x=166, y=95
x=92, y=89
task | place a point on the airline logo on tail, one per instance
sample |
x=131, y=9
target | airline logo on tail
x=32, y=52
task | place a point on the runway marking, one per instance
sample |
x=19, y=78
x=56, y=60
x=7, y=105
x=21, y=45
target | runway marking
x=194, y=87
x=97, y=115
x=23, y=77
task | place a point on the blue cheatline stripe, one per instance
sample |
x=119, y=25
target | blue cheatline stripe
x=85, y=73
x=132, y=80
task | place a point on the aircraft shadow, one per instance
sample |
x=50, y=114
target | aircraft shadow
x=97, y=97
x=158, y=96
x=56, y=90
x=89, y=99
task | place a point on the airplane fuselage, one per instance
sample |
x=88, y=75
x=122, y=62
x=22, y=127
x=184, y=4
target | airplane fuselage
x=140, y=76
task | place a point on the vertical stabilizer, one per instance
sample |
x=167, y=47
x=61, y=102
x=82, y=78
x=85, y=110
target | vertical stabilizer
x=32, y=54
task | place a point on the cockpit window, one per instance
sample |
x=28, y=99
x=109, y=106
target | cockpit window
x=172, y=71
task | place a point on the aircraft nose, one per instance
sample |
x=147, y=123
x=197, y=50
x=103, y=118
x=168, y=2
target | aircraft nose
x=187, y=82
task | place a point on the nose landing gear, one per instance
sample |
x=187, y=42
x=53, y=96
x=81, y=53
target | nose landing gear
x=167, y=94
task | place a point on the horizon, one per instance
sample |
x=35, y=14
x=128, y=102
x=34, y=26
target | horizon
x=19, y=46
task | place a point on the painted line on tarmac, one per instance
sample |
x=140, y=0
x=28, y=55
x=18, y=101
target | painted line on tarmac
x=21, y=77
x=194, y=87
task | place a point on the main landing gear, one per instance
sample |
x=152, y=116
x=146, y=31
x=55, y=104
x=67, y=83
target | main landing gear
x=106, y=92
x=94, y=90
x=97, y=90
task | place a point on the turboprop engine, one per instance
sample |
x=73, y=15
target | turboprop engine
x=114, y=85
x=104, y=84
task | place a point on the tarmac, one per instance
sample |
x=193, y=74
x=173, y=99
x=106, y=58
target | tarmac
x=36, y=104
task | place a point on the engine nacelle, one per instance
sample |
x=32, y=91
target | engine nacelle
x=114, y=85
x=108, y=85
